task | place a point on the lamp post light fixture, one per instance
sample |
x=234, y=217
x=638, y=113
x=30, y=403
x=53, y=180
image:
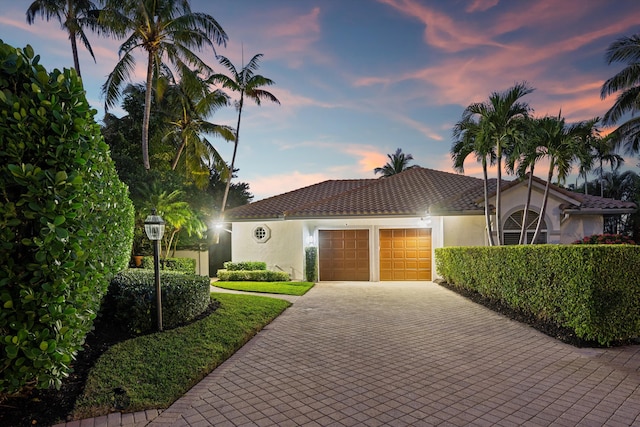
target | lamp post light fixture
x=154, y=228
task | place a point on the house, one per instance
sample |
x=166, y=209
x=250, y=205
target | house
x=388, y=228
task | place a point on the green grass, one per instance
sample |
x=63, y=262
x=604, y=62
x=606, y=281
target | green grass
x=286, y=288
x=157, y=369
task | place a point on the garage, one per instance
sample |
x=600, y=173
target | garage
x=344, y=255
x=405, y=254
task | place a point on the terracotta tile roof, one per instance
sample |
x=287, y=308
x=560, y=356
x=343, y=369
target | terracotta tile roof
x=411, y=193
x=276, y=206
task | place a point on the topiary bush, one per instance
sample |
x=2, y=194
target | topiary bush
x=253, y=276
x=66, y=221
x=245, y=265
x=311, y=264
x=132, y=298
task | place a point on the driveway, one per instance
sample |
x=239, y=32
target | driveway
x=397, y=353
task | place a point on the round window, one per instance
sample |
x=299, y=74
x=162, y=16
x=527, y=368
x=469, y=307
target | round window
x=261, y=233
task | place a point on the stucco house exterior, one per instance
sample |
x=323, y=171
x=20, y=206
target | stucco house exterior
x=388, y=228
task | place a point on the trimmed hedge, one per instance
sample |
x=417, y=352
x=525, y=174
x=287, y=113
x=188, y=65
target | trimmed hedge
x=592, y=289
x=183, y=265
x=253, y=276
x=66, y=221
x=131, y=300
x=245, y=265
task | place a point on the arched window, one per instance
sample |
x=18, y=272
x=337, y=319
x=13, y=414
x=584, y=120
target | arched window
x=513, y=224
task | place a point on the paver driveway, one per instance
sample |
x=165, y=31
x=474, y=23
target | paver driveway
x=409, y=354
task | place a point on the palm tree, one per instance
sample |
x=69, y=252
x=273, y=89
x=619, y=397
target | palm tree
x=627, y=82
x=245, y=83
x=73, y=15
x=466, y=142
x=500, y=123
x=189, y=103
x=397, y=163
x=602, y=149
x=561, y=144
x=522, y=160
x=168, y=31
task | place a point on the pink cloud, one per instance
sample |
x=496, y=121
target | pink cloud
x=267, y=186
x=442, y=31
x=481, y=5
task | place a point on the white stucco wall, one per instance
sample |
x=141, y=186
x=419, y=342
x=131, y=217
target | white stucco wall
x=576, y=227
x=284, y=251
x=201, y=257
x=468, y=230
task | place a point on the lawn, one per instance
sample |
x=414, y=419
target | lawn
x=286, y=288
x=152, y=371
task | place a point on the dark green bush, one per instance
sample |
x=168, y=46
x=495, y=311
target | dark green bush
x=132, y=296
x=245, y=265
x=183, y=265
x=253, y=276
x=311, y=264
x=591, y=289
x=66, y=221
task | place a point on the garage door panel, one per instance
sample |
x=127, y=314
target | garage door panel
x=344, y=255
x=410, y=254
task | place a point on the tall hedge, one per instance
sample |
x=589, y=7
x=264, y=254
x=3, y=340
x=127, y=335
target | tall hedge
x=592, y=289
x=66, y=221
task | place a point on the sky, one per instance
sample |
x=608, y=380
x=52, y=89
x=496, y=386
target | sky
x=358, y=79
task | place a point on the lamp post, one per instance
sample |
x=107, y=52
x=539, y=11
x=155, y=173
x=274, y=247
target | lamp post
x=154, y=228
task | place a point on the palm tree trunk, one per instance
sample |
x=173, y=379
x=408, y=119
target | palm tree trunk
x=498, y=198
x=233, y=158
x=602, y=179
x=147, y=115
x=74, y=51
x=523, y=226
x=487, y=212
x=545, y=197
x=174, y=162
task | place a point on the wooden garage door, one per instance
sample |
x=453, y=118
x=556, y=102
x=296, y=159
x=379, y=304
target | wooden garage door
x=344, y=255
x=405, y=254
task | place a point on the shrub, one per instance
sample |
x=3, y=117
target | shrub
x=66, y=221
x=311, y=264
x=605, y=239
x=245, y=265
x=132, y=299
x=593, y=290
x=253, y=276
x=183, y=265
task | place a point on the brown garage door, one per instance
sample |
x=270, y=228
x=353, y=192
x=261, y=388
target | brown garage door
x=405, y=254
x=344, y=255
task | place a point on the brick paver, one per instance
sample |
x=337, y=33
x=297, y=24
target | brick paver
x=408, y=354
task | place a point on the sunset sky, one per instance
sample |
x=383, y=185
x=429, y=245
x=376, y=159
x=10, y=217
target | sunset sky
x=359, y=78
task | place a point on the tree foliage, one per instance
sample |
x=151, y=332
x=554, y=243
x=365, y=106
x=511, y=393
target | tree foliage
x=66, y=220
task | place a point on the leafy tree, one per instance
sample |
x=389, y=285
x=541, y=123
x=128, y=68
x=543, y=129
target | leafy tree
x=500, y=123
x=246, y=84
x=627, y=83
x=190, y=102
x=74, y=16
x=397, y=163
x=165, y=30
